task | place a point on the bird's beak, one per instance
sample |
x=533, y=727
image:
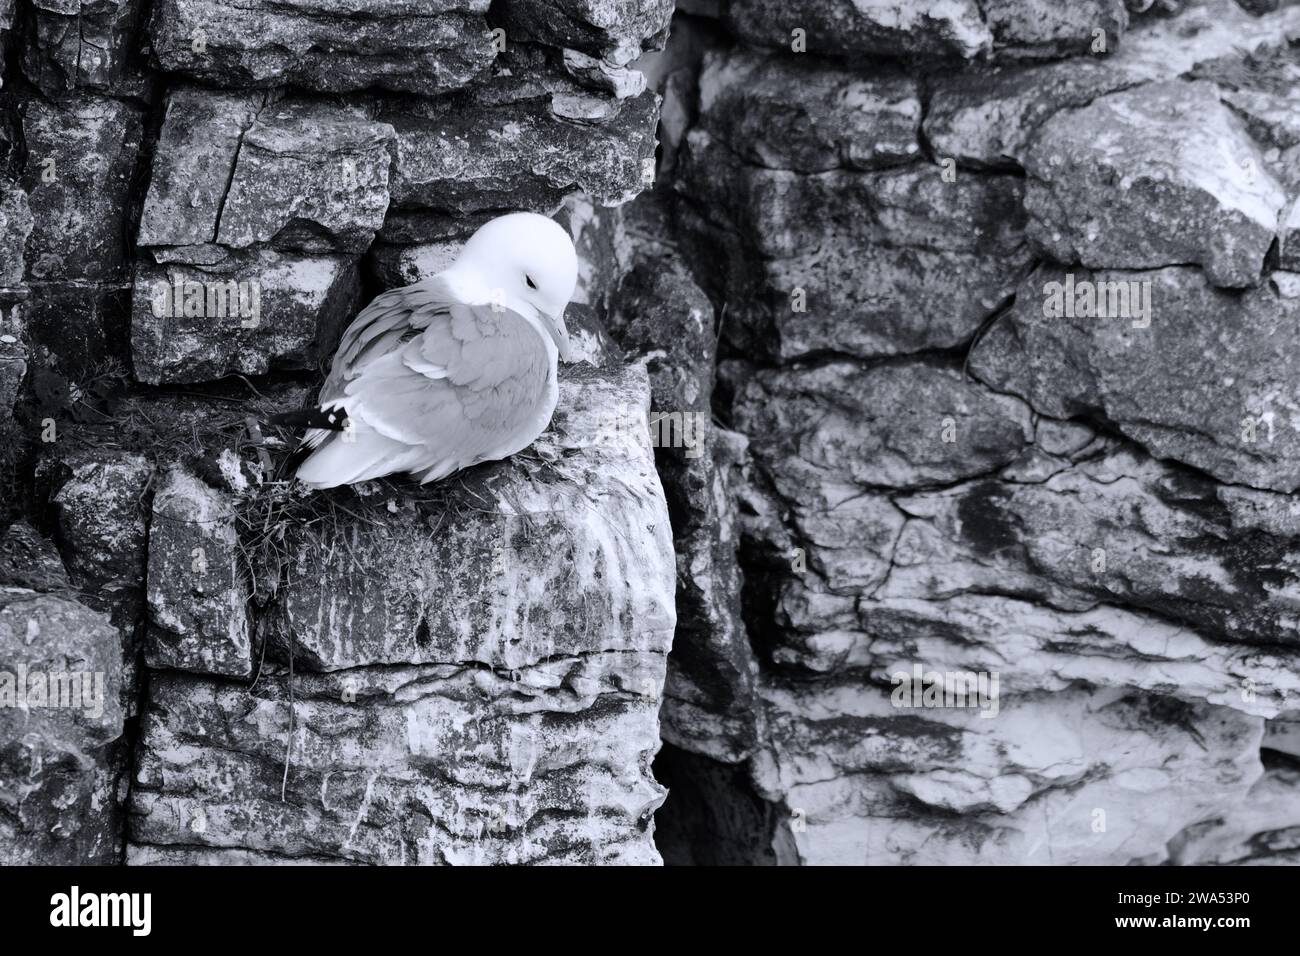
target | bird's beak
x=560, y=332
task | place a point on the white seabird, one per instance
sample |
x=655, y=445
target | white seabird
x=453, y=370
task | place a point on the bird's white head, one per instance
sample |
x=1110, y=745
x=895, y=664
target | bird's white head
x=525, y=260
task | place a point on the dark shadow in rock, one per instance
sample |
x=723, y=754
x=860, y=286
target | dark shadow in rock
x=712, y=816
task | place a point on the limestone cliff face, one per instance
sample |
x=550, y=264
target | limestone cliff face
x=465, y=674
x=914, y=338
x=477, y=679
x=937, y=470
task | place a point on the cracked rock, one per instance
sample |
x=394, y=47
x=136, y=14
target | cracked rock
x=805, y=116
x=858, y=286
x=428, y=47
x=61, y=719
x=197, y=596
x=1044, y=28
x=1226, y=401
x=81, y=43
x=450, y=161
x=928, y=29
x=101, y=508
x=1040, y=648
x=15, y=226
x=27, y=560
x=989, y=116
x=1258, y=831
x=664, y=319
x=615, y=30
x=868, y=263
x=870, y=783
x=1122, y=529
x=439, y=764
x=246, y=314
x=308, y=167
x=1159, y=175
x=193, y=164
x=910, y=28
x=235, y=170
x=1260, y=86
x=81, y=158
x=824, y=434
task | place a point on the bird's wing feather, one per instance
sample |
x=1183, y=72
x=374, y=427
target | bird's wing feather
x=380, y=327
x=444, y=382
x=465, y=386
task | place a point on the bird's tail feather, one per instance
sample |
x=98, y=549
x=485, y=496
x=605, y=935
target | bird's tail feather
x=368, y=455
x=314, y=437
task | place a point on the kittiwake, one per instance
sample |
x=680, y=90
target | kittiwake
x=453, y=370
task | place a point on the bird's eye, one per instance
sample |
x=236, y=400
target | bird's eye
x=531, y=283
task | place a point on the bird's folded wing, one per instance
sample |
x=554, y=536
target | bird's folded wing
x=468, y=386
x=381, y=327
